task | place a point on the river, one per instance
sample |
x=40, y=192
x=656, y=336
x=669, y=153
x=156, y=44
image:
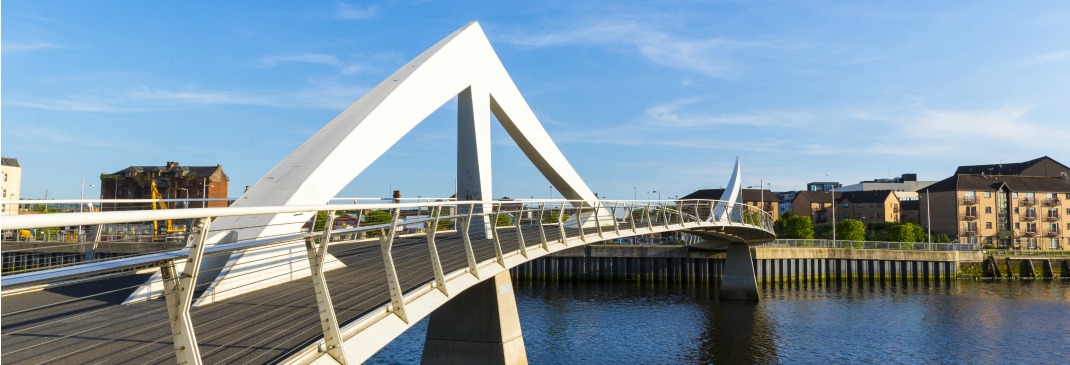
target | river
x=966, y=322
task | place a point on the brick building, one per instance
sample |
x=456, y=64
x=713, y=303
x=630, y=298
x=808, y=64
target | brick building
x=1019, y=205
x=172, y=181
x=866, y=206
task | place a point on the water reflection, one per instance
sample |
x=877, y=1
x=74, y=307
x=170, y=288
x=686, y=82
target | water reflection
x=961, y=322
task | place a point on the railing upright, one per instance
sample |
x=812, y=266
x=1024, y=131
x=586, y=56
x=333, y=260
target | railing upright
x=466, y=235
x=436, y=261
x=386, y=244
x=332, y=336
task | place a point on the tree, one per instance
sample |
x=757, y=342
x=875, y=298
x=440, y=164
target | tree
x=823, y=231
x=900, y=233
x=850, y=230
x=552, y=217
x=794, y=226
x=503, y=220
x=376, y=217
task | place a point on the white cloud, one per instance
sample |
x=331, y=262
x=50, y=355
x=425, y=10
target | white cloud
x=703, y=55
x=15, y=47
x=319, y=58
x=351, y=12
x=670, y=115
x=1048, y=58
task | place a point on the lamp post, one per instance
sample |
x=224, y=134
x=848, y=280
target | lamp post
x=635, y=193
x=833, y=191
x=81, y=204
x=928, y=219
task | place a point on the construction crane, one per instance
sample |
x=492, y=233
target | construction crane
x=156, y=196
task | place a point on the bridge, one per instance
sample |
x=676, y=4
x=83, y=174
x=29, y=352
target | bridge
x=274, y=279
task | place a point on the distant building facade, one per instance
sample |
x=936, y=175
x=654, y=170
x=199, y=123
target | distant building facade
x=905, y=186
x=752, y=197
x=823, y=186
x=173, y=181
x=866, y=206
x=12, y=184
x=1018, y=205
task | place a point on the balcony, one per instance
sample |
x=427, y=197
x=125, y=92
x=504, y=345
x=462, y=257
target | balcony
x=1052, y=233
x=1029, y=217
x=1028, y=233
x=969, y=231
x=968, y=216
x=1027, y=201
x=969, y=200
x=1051, y=201
x=1051, y=217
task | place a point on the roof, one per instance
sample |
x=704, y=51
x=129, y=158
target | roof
x=872, y=196
x=816, y=196
x=1042, y=166
x=13, y=162
x=173, y=167
x=749, y=195
x=997, y=182
x=910, y=204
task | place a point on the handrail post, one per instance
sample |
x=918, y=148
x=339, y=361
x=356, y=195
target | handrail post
x=520, y=234
x=561, y=223
x=649, y=222
x=436, y=262
x=665, y=215
x=91, y=250
x=494, y=233
x=386, y=243
x=332, y=336
x=613, y=213
x=472, y=267
x=542, y=228
x=179, y=296
x=597, y=220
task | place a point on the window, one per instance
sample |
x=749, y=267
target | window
x=1015, y=210
x=859, y=205
x=971, y=211
x=988, y=194
x=846, y=215
x=988, y=210
x=1054, y=244
x=1031, y=227
x=846, y=205
x=1017, y=225
x=1032, y=243
x=988, y=225
x=1016, y=195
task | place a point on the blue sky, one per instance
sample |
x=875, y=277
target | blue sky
x=640, y=96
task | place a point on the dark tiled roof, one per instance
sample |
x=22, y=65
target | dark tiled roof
x=993, y=183
x=190, y=171
x=910, y=204
x=749, y=195
x=816, y=196
x=1043, y=166
x=8, y=161
x=872, y=196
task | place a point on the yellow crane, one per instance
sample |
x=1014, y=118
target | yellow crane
x=162, y=205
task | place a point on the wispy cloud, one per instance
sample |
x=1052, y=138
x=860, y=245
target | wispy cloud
x=703, y=55
x=320, y=58
x=670, y=114
x=1048, y=58
x=16, y=47
x=352, y=12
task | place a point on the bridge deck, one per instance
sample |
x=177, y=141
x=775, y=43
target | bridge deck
x=260, y=327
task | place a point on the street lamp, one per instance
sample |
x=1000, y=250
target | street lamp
x=833, y=192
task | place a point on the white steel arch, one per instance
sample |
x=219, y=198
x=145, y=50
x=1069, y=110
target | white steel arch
x=463, y=65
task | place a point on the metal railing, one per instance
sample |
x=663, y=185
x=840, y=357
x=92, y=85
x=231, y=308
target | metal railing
x=871, y=245
x=546, y=225
x=1041, y=253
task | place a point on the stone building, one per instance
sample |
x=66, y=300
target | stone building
x=1018, y=205
x=172, y=182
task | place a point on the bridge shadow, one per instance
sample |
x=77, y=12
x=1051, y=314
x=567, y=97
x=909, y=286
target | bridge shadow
x=737, y=332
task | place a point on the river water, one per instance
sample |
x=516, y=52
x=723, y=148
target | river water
x=966, y=322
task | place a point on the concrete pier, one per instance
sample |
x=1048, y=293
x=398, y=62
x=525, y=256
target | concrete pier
x=479, y=326
x=737, y=281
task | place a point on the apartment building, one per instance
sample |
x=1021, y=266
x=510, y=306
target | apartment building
x=752, y=197
x=866, y=206
x=12, y=184
x=172, y=180
x=1020, y=205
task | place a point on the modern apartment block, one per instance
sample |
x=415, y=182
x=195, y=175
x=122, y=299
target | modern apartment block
x=12, y=184
x=172, y=182
x=752, y=197
x=1020, y=205
x=866, y=206
x=823, y=186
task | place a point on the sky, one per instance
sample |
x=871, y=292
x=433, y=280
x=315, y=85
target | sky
x=643, y=98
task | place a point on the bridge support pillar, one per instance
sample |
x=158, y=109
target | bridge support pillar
x=478, y=326
x=737, y=280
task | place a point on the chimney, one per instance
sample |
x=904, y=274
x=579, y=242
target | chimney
x=397, y=196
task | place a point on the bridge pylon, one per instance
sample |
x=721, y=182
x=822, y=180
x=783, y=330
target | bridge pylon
x=479, y=326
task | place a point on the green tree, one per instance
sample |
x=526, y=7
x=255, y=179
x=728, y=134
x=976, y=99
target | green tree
x=376, y=217
x=850, y=230
x=823, y=231
x=503, y=220
x=900, y=233
x=794, y=226
x=552, y=217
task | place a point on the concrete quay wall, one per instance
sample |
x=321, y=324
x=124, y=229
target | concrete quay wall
x=771, y=265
